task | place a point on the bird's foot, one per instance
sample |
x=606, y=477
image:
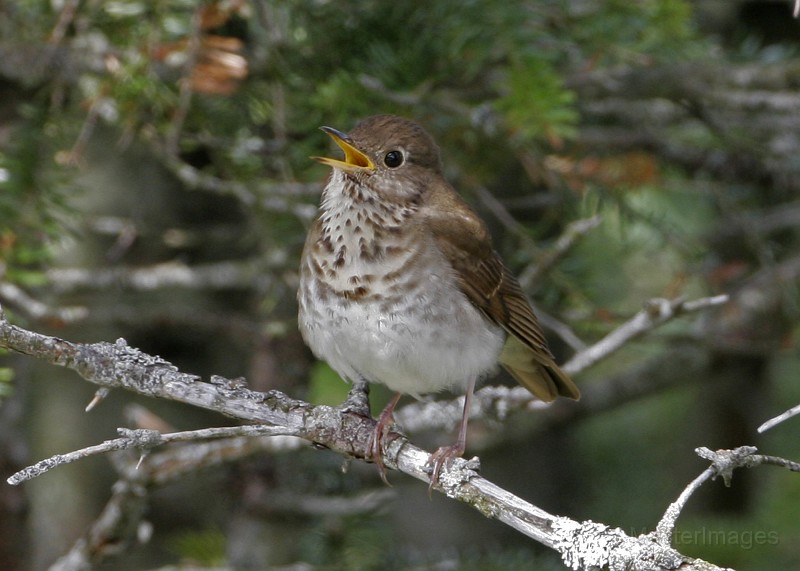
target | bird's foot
x=441, y=458
x=383, y=430
x=357, y=400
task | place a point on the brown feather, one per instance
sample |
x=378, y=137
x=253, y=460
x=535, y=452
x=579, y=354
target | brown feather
x=465, y=241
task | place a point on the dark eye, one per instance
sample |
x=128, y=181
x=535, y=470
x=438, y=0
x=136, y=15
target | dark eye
x=393, y=159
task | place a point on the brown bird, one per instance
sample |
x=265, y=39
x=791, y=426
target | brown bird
x=400, y=285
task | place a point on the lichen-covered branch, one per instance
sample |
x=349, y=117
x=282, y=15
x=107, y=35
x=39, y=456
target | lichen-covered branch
x=117, y=365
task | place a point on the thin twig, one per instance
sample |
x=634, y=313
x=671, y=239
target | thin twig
x=569, y=238
x=281, y=197
x=781, y=417
x=75, y=154
x=119, y=365
x=213, y=276
x=144, y=440
x=65, y=19
x=185, y=87
x=34, y=309
x=656, y=312
x=723, y=463
x=666, y=525
x=121, y=523
x=495, y=403
x=503, y=215
x=560, y=329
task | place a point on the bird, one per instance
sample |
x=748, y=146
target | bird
x=399, y=283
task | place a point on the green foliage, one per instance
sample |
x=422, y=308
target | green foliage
x=204, y=547
x=326, y=386
x=617, y=31
x=33, y=205
x=364, y=543
x=357, y=543
x=646, y=238
x=6, y=380
x=536, y=105
x=733, y=542
x=492, y=81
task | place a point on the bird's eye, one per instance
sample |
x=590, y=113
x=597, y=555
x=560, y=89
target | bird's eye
x=393, y=159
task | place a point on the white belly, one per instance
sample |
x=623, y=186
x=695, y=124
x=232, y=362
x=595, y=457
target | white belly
x=425, y=340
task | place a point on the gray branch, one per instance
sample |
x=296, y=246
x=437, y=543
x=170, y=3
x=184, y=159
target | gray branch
x=220, y=275
x=794, y=411
x=656, y=312
x=121, y=523
x=143, y=440
x=495, y=403
x=723, y=463
x=117, y=365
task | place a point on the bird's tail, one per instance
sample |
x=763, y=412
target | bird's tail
x=537, y=371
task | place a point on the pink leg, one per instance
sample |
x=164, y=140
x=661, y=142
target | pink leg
x=446, y=453
x=375, y=447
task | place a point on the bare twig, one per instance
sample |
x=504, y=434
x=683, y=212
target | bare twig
x=185, y=88
x=495, y=403
x=560, y=329
x=666, y=526
x=121, y=522
x=311, y=504
x=221, y=275
x=656, y=312
x=410, y=98
x=75, y=155
x=65, y=19
x=271, y=196
x=143, y=439
x=118, y=365
x=781, y=417
x=503, y=215
x=683, y=363
x=34, y=309
x=253, y=274
x=724, y=462
x=99, y=396
x=572, y=233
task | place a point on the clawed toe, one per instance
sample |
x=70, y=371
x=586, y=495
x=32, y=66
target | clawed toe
x=379, y=436
x=375, y=448
x=442, y=457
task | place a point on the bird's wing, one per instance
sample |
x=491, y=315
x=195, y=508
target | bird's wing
x=465, y=242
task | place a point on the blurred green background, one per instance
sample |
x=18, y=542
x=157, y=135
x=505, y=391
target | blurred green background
x=155, y=185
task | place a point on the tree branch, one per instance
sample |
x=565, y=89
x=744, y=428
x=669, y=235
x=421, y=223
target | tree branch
x=724, y=462
x=117, y=365
x=566, y=241
x=144, y=440
x=495, y=403
x=213, y=276
x=781, y=417
x=656, y=312
x=36, y=310
x=121, y=523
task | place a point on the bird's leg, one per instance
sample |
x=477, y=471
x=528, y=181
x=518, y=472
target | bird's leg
x=375, y=446
x=446, y=453
x=357, y=400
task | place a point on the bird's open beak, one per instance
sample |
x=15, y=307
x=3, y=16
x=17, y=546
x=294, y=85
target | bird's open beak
x=353, y=158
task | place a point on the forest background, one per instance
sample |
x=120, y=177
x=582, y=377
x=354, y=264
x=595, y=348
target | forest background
x=156, y=186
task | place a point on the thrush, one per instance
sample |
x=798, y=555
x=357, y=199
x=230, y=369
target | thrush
x=400, y=284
